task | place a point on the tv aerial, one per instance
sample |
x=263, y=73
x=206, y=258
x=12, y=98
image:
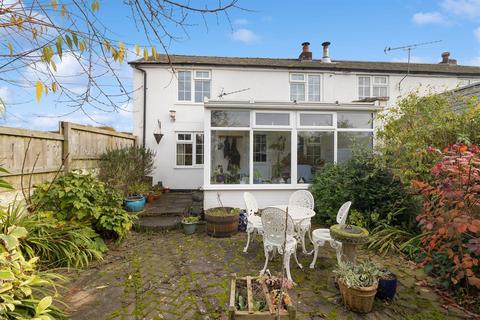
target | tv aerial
x=223, y=93
x=409, y=49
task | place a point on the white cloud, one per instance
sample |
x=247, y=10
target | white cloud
x=245, y=36
x=464, y=8
x=429, y=18
x=240, y=22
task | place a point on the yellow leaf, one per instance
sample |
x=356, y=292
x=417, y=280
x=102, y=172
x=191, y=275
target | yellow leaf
x=137, y=50
x=154, y=53
x=54, y=87
x=39, y=89
x=64, y=11
x=145, y=54
x=10, y=48
x=54, y=4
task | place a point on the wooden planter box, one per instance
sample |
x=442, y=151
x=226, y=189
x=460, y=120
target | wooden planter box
x=249, y=283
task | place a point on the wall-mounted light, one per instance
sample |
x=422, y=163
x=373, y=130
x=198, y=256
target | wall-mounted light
x=158, y=135
x=173, y=115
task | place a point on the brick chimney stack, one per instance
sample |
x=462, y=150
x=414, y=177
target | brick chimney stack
x=306, y=53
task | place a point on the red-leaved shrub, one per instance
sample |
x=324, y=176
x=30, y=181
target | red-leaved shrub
x=450, y=218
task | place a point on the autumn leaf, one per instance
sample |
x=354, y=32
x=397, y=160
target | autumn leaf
x=38, y=90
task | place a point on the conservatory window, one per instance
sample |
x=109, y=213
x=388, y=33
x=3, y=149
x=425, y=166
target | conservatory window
x=357, y=120
x=260, y=148
x=315, y=119
x=278, y=152
x=229, y=157
x=314, y=150
x=350, y=140
x=222, y=118
x=272, y=119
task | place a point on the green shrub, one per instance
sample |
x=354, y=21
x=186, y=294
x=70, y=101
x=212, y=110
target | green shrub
x=419, y=124
x=56, y=243
x=122, y=168
x=377, y=196
x=25, y=293
x=84, y=199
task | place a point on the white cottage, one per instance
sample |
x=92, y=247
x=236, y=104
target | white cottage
x=266, y=125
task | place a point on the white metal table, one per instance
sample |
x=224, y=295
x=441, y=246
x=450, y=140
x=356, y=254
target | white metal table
x=298, y=214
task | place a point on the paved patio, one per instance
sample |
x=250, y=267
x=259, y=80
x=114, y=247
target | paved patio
x=168, y=275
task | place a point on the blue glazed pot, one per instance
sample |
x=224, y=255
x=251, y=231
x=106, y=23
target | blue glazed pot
x=387, y=288
x=189, y=228
x=134, y=204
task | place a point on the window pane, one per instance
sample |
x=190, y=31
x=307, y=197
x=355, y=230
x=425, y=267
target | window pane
x=202, y=90
x=272, y=119
x=380, y=80
x=363, y=87
x=199, y=149
x=278, y=167
x=316, y=120
x=260, y=148
x=314, y=150
x=184, y=154
x=380, y=91
x=358, y=120
x=298, y=77
x=184, y=86
x=202, y=74
x=230, y=157
x=348, y=141
x=221, y=118
x=297, y=91
x=314, y=88
x=184, y=137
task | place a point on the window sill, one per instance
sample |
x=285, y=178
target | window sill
x=214, y=187
x=189, y=167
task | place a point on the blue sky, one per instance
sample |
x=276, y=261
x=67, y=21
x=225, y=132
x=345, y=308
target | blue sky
x=358, y=30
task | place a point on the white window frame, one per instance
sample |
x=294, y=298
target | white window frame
x=306, y=85
x=193, y=142
x=334, y=120
x=194, y=78
x=373, y=84
x=274, y=126
x=294, y=129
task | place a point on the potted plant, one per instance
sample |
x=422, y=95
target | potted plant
x=387, y=286
x=136, y=199
x=358, y=284
x=222, y=221
x=189, y=224
x=154, y=194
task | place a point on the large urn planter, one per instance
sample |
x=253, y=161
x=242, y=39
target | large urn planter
x=350, y=236
x=358, y=299
x=134, y=203
x=222, y=221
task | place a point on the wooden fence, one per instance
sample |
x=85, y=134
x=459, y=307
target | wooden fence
x=41, y=154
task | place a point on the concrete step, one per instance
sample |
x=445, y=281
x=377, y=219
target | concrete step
x=157, y=223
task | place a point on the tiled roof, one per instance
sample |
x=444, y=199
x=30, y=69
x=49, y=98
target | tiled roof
x=336, y=65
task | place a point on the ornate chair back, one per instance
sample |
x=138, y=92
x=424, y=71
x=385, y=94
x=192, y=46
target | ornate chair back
x=343, y=212
x=250, y=204
x=302, y=198
x=274, y=222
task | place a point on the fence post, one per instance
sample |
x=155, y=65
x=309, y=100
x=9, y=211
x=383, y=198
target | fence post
x=66, y=146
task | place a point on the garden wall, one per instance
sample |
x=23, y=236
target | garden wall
x=41, y=153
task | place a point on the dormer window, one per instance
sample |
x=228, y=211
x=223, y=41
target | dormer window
x=304, y=87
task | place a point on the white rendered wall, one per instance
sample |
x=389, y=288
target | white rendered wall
x=265, y=85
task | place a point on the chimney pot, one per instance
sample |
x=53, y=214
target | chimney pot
x=446, y=58
x=305, y=54
x=326, y=53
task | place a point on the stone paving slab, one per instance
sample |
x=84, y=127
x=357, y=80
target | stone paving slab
x=172, y=276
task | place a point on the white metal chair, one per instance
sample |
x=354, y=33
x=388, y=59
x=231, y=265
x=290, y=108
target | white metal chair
x=275, y=221
x=303, y=198
x=254, y=223
x=321, y=236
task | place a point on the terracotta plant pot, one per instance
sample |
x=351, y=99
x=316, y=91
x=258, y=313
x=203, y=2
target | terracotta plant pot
x=358, y=299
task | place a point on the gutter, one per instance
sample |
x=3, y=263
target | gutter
x=144, y=101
